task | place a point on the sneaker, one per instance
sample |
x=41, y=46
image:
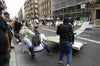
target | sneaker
x=19, y=43
x=68, y=65
x=33, y=55
x=17, y=40
x=50, y=54
x=60, y=63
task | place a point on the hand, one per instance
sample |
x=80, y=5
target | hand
x=9, y=49
x=12, y=32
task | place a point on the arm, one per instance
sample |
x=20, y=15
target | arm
x=9, y=46
x=30, y=32
x=10, y=23
x=58, y=30
x=72, y=34
x=44, y=38
x=47, y=40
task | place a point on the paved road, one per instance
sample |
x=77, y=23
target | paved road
x=89, y=55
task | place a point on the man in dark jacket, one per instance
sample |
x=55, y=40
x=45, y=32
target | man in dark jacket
x=66, y=37
x=4, y=42
x=17, y=27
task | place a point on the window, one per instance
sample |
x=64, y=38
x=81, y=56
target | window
x=97, y=14
x=98, y=2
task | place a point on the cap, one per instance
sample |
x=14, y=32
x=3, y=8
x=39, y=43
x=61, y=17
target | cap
x=6, y=13
x=2, y=6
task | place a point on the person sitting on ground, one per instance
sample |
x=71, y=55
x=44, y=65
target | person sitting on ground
x=24, y=36
x=42, y=39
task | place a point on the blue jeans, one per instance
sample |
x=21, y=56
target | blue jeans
x=16, y=32
x=4, y=58
x=65, y=47
x=47, y=48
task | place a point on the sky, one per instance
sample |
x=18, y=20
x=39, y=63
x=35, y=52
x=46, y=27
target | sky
x=13, y=6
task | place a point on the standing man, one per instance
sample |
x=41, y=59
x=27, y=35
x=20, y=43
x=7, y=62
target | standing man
x=17, y=26
x=31, y=24
x=4, y=40
x=36, y=24
x=71, y=21
x=9, y=25
x=66, y=37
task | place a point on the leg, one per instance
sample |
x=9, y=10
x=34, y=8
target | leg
x=47, y=48
x=29, y=44
x=61, y=54
x=16, y=35
x=24, y=47
x=69, y=55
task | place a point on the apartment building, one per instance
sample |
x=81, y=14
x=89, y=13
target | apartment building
x=72, y=8
x=45, y=9
x=21, y=13
x=31, y=8
x=96, y=12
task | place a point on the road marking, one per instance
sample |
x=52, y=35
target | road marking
x=49, y=30
x=94, y=41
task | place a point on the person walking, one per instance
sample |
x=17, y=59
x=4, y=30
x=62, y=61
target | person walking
x=66, y=37
x=5, y=48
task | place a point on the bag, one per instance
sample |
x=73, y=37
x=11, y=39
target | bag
x=36, y=40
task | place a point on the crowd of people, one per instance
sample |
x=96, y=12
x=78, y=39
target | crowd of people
x=23, y=30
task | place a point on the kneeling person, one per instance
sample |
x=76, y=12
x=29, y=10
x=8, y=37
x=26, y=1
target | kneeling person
x=38, y=40
x=24, y=36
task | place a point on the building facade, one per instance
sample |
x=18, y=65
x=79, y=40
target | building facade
x=96, y=12
x=31, y=8
x=45, y=9
x=21, y=13
x=72, y=8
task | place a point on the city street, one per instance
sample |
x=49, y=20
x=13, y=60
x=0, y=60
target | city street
x=29, y=28
x=87, y=56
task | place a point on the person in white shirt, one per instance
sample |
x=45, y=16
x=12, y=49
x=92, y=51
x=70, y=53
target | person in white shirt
x=31, y=24
x=43, y=38
x=36, y=24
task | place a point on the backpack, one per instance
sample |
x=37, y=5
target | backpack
x=36, y=40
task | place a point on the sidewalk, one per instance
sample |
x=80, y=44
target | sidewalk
x=13, y=56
